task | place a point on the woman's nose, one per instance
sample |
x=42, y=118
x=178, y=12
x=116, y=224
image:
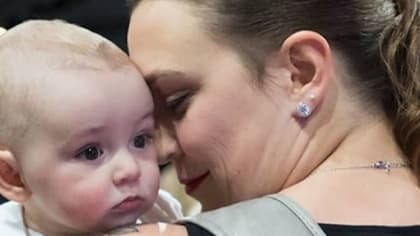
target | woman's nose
x=127, y=170
x=167, y=145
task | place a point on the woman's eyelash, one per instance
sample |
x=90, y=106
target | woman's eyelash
x=173, y=101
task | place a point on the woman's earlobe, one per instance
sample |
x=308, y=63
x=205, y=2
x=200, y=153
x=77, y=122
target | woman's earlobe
x=304, y=109
x=11, y=185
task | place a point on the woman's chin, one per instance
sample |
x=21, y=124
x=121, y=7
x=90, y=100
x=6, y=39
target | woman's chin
x=212, y=204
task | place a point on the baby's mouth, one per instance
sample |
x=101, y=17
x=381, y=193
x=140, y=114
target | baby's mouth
x=129, y=204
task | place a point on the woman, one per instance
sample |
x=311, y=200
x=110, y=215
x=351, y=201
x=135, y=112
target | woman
x=315, y=100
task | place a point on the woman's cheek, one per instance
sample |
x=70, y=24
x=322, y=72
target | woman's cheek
x=194, y=135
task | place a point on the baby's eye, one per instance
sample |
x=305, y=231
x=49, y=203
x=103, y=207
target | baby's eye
x=90, y=153
x=140, y=141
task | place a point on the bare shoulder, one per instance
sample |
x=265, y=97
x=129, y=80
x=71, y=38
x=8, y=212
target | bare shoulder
x=159, y=229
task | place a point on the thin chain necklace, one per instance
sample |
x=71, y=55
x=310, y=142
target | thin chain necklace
x=25, y=225
x=378, y=165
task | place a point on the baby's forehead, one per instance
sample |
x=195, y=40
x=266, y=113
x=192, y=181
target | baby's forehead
x=40, y=56
x=65, y=56
x=61, y=43
x=37, y=51
x=34, y=71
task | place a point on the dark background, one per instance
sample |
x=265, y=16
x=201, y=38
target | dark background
x=107, y=17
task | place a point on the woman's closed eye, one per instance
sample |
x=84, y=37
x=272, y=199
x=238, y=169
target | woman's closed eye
x=178, y=102
x=90, y=152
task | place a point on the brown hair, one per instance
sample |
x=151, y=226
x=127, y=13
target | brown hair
x=401, y=54
x=379, y=38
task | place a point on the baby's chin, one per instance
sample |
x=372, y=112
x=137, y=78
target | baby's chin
x=114, y=223
x=117, y=223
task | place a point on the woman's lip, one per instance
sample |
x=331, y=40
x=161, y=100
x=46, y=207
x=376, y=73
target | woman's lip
x=129, y=204
x=192, y=184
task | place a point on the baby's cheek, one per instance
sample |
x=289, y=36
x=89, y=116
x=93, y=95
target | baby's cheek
x=85, y=209
x=149, y=181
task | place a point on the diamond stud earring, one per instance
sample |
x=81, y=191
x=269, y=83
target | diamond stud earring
x=303, y=110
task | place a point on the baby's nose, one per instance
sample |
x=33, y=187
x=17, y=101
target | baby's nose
x=127, y=170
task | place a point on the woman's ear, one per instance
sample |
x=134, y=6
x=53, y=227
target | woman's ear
x=11, y=186
x=307, y=56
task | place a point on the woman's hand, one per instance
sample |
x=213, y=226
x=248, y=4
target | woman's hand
x=159, y=229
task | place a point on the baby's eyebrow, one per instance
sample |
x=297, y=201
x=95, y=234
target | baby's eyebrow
x=87, y=131
x=147, y=115
x=75, y=136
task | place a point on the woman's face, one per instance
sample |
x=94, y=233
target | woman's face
x=222, y=130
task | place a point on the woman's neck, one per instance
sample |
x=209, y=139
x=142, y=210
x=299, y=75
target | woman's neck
x=366, y=144
x=361, y=196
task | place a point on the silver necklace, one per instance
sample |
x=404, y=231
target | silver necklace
x=25, y=225
x=378, y=165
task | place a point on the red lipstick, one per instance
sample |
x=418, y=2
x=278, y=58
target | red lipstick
x=192, y=184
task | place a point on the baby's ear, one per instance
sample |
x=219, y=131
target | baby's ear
x=11, y=186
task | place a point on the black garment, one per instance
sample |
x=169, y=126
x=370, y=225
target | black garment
x=107, y=17
x=336, y=230
x=2, y=199
x=348, y=230
x=195, y=230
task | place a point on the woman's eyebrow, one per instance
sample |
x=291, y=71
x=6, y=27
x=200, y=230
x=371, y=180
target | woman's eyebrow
x=155, y=76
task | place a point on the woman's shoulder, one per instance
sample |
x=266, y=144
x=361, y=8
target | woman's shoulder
x=269, y=215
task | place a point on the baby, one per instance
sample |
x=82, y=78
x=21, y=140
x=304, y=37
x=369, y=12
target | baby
x=76, y=134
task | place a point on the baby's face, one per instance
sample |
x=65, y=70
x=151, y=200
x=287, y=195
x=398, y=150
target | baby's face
x=90, y=161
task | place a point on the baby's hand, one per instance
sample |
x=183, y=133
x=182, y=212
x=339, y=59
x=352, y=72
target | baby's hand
x=123, y=230
x=159, y=229
x=166, y=209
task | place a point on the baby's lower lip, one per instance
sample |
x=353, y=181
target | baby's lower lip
x=129, y=204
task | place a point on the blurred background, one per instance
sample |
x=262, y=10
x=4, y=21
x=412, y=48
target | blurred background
x=110, y=18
